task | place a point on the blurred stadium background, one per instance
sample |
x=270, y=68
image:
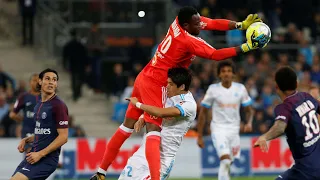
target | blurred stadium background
x=120, y=36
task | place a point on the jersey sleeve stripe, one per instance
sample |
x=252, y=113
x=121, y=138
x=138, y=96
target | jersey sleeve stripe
x=180, y=109
x=205, y=105
x=248, y=103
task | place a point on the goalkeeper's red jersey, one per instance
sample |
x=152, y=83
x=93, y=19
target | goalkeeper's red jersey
x=179, y=49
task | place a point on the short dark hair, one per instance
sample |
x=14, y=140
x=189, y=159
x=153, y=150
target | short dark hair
x=185, y=14
x=180, y=76
x=223, y=64
x=41, y=75
x=286, y=79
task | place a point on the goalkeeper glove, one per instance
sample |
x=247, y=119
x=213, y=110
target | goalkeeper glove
x=251, y=18
x=255, y=43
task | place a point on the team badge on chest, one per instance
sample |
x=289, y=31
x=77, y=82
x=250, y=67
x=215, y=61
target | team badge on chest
x=44, y=115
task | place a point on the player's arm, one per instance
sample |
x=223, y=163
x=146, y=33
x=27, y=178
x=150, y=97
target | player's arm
x=29, y=139
x=202, y=120
x=246, y=102
x=283, y=115
x=156, y=111
x=249, y=118
x=61, y=139
x=225, y=24
x=25, y=141
x=61, y=113
x=201, y=48
x=161, y=112
x=18, y=105
x=276, y=130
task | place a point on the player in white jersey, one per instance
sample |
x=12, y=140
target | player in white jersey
x=225, y=99
x=178, y=114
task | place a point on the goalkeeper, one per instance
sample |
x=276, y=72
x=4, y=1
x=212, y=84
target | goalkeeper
x=178, y=49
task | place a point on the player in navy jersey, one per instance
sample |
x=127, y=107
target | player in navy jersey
x=26, y=102
x=296, y=116
x=50, y=133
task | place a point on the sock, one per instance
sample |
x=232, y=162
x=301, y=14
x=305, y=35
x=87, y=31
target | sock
x=113, y=147
x=153, y=154
x=224, y=169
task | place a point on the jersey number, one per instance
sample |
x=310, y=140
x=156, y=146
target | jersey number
x=166, y=44
x=129, y=171
x=312, y=124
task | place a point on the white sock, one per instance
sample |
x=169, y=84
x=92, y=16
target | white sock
x=102, y=171
x=224, y=169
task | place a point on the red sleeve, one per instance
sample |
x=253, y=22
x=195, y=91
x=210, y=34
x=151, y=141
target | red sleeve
x=214, y=24
x=61, y=116
x=201, y=48
x=19, y=104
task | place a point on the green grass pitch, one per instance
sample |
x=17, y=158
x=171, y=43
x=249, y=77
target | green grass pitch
x=235, y=178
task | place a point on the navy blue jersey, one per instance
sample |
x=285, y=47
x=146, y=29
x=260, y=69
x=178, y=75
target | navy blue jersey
x=50, y=116
x=26, y=102
x=300, y=111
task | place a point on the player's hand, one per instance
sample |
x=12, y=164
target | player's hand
x=139, y=125
x=248, y=127
x=262, y=143
x=133, y=100
x=33, y=157
x=21, y=145
x=200, y=142
x=255, y=43
x=251, y=18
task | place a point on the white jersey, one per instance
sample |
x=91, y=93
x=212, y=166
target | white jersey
x=225, y=103
x=172, y=133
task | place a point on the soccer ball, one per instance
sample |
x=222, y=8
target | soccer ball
x=255, y=32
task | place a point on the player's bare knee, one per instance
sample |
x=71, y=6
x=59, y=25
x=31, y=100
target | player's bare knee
x=226, y=156
x=152, y=127
x=129, y=122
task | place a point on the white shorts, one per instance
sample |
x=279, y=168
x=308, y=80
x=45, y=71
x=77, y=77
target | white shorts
x=226, y=143
x=139, y=170
x=135, y=170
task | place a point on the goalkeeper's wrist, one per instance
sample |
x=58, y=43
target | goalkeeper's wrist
x=239, y=25
x=245, y=47
x=138, y=105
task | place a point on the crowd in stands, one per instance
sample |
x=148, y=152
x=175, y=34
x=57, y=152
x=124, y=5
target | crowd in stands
x=299, y=31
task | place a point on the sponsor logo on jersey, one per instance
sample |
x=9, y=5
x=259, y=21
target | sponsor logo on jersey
x=30, y=114
x=281, y=117
x=42, y=131
x=44, y=115
x=63, y=123
x=203, y=24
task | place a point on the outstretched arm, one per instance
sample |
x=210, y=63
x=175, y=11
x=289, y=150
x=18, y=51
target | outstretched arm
x=225, y=25
x=201, y=48
x=275, y=131
x=217, y=24
x=202, y=120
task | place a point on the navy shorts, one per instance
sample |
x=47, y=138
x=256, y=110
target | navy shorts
x=38, y=171
x=295, y=173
